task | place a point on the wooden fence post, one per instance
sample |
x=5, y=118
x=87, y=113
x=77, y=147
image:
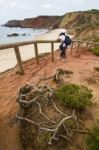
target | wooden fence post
x=71, y=48
x=36, y=53
x=19, y=61
x=77, y=50
x=89, y=46
x=52, y=51
x=86, y=47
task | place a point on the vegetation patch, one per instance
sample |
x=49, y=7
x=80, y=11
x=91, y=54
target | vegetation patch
x=93, y=138
x=95, y=51
x=74, y=96
x=96, y=69
x=97, y=39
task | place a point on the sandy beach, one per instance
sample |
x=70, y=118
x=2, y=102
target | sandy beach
x=7, y=56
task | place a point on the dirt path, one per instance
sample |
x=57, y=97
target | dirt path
x=10, y=82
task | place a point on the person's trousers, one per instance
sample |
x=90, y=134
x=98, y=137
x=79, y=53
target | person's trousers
x=63, y=52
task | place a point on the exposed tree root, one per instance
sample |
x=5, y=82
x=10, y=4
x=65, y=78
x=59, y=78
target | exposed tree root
x=41, y=93
x=40, y=116
x=57, y=77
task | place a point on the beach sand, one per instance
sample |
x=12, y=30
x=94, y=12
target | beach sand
x=8, y=58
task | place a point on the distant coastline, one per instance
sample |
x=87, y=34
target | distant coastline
x=83, y=24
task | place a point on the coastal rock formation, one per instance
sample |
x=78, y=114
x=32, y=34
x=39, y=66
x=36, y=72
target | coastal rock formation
x=12, y=23
x=17, y=34
x=13, y=34
x=38, y=22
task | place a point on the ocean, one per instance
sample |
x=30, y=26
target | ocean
x=24, y=34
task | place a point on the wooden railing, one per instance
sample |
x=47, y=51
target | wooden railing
x=16, y=45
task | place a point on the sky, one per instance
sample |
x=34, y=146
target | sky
x=20, y=9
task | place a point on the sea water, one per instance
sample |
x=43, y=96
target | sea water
x=24, y=34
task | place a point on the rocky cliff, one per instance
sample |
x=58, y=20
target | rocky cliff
x=38, y=22
x=83, y=24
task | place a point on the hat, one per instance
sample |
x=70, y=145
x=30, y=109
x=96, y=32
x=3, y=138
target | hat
x=62, y=33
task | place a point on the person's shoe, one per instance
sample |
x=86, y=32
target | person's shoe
x=58, y=58
x=64, y=60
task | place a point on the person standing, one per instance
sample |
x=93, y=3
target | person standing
x=64, y=42
x=62, y=46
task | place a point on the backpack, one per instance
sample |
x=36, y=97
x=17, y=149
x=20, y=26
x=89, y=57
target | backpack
x=68, y=40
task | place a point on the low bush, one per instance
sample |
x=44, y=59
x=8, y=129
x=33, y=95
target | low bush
x=93, y=138
x=95, y=51
x=96, y=68
x=74, y=96
x=96, y=39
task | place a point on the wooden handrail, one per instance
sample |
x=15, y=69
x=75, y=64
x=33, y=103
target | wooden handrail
x=35, y=42
x=11, y=45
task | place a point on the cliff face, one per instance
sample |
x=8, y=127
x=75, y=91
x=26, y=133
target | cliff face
x=83, y=25
x=12, y=23
x=38, y=22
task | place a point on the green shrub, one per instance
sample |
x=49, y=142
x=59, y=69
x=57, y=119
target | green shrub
x=95, y=51
x=96, y=68
x=74, y=96
x=93, y=138
x=95, y=10
x=96, y=39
